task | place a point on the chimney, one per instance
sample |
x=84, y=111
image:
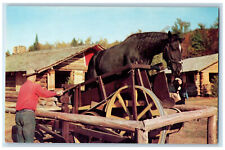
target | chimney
x=19, y=49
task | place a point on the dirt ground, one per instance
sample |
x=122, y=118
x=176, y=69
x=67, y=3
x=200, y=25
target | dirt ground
x=193, y=132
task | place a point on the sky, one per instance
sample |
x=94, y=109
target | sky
x=63, y=23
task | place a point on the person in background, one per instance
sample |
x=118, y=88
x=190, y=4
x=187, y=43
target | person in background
x=26, y=105
x=181, y=89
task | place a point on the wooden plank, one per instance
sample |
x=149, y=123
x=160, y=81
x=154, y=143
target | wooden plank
x=10, y=88
x=212, y=130
x=129, y=125
x=11, y=99
x=159, y=122
x=190, y=107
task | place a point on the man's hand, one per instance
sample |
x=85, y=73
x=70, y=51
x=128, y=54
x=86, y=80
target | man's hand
x=59, y=93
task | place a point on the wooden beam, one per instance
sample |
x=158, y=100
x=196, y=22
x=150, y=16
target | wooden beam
x=159, y=122
x=129, y=125
x=212, y=130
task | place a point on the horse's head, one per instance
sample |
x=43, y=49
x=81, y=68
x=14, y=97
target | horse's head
x=172, y=53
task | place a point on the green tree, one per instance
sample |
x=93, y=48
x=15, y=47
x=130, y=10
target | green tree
x=36, y=45
x=180, y=27
x=197, y=42
x=74, y=42
x=200, y=41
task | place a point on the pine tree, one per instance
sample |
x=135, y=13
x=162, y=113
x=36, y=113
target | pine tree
x=36, y=43
x=74, y=42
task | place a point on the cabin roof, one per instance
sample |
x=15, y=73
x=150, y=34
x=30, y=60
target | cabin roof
x=44, y=59
x=197, y=63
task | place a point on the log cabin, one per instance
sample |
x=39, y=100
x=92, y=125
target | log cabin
x=55, y=67
x=198, y=73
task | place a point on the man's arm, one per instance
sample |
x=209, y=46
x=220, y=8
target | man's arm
x=42, y=92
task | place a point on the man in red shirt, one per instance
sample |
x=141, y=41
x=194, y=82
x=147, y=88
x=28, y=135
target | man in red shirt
x=26, y=105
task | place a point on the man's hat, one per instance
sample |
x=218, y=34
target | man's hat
x=30, y=72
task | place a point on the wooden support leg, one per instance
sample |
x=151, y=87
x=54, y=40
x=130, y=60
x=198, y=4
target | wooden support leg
x=142, y=136
x=212, y=130
x=65, y=131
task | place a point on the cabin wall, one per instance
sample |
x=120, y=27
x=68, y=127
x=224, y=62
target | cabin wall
x=206, y=78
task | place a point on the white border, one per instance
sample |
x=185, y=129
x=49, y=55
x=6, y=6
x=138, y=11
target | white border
x=133, y=3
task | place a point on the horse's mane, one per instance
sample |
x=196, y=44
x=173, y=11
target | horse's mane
x=154, y=36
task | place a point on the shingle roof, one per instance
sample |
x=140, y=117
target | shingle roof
x=43, y=58
x=198, y=63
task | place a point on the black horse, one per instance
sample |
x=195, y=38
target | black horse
x=141, y=48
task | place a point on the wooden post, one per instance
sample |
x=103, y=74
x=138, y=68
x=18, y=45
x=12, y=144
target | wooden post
x=142, y=136
x=133, y=95
x=51, y=80
x=65, y=131
x=65, y=124
x=75, y=100
x=212, y=130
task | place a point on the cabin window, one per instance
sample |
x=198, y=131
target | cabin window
x=212, y=76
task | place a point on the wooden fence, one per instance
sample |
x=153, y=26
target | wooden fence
x=142, y=128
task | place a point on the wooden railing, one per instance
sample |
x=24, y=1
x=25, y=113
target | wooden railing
x=142, y=128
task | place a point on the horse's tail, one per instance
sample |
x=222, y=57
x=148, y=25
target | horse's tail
x=91, y=73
